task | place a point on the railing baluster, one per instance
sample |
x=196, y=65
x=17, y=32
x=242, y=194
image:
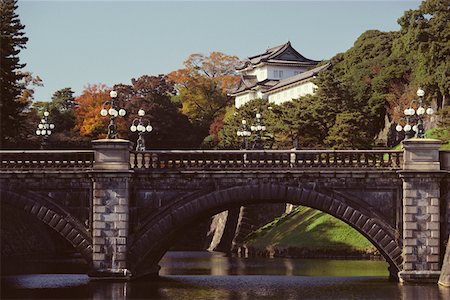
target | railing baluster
x=209, y=159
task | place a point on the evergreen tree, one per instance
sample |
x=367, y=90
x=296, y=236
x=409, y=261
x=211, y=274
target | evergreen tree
x=425, y=43
x=12, y=40
x=62, y=111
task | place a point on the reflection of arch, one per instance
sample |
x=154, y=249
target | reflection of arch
x=53, y=215
x=155, y=238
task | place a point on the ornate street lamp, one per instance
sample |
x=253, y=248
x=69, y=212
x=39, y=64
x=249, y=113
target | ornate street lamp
x=141, y=125
x=244, y=133
x=258, y=128
x=414, y=118
x=113, y=111
x=44, y=129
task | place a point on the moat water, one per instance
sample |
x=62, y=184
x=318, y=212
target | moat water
x=204, y=275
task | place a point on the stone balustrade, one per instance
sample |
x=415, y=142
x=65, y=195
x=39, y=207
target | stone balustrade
x=266, y=159
x=208, y=159
x=46, y=159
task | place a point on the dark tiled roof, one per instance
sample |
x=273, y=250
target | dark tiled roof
x=299, y=77
x=247, y=85
x=273, y=55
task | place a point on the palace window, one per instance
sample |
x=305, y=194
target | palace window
x=277, y=73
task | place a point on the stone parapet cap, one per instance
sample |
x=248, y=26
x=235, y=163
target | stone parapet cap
x=112, y=154
x=418, y=142
x=421, y=154
x=422, y=173
x=110, y=142
x=111, y=173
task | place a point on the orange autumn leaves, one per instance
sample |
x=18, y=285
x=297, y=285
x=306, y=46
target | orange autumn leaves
x=88, y=120
x=201, y=89
x=202, y=86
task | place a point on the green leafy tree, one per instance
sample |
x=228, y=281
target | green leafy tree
x=228, y=138
x=63, y=99
x=62, y=113
x=425, y=43
x=62, y=110
x=12, y=106
x=346, y=132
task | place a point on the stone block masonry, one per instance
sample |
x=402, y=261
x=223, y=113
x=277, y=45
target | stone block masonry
x=421, y=211
x=110, y=208
x=109, y=231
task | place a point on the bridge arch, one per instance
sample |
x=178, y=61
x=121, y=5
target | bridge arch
x=54, y=216
x=155, y=238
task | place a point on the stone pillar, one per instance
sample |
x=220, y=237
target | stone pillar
x=110, y=208
x=421, y=176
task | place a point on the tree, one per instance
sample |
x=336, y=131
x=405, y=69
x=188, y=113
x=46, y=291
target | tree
x=63, y=99
x=425, y=43
x=347, y=132
x=202, y=87
x=12, y=40
x=62, y=109
x=227, y=136
x=89, y=122
x=171, y=129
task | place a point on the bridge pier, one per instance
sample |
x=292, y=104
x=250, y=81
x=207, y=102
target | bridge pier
x=421, y=176
x=110, y=209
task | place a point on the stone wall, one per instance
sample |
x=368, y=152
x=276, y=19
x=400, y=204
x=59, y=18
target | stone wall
x=252, y=217
x=229, y=228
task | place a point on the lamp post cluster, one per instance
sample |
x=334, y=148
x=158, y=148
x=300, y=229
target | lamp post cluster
x=244, y=133
x=141, y=125
x=414, y=117
x=113, y=112
x=44, y=129
x=258, y=128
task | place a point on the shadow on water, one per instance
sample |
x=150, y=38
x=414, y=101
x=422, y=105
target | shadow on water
x=203, y=275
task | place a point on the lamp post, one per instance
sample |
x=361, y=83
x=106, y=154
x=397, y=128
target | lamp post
x=44, y=129
x=258, y=128
x=141, y=125
x=414, y=118
x=113, y=111
x=244, y=133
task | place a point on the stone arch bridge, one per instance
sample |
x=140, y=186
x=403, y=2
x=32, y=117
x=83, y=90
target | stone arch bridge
x=122, y=210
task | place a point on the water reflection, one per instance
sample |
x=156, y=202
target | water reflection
x=193, y=275
x=202, y=263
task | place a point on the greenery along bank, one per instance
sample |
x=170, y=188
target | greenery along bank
x=306, y=232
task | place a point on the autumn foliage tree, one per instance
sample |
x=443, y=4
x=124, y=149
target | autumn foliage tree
x=88, y=121
x=202, y=87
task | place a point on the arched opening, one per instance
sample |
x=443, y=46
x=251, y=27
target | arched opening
x=155, y=238
x=49, y=231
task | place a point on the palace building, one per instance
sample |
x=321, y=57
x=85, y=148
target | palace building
x=278, y=75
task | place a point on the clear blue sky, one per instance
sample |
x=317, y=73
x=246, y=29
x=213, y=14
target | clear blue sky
x=75, y=43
